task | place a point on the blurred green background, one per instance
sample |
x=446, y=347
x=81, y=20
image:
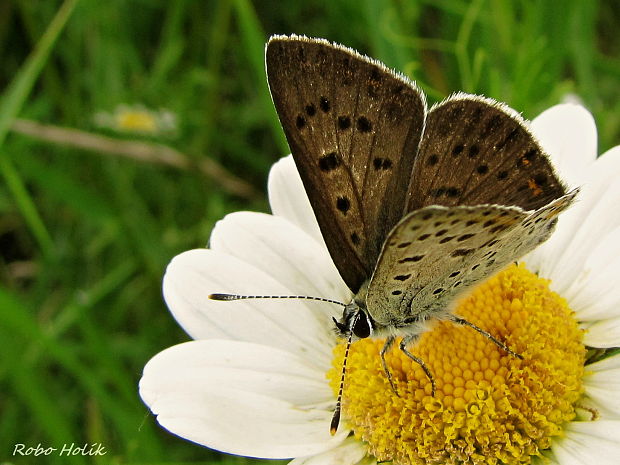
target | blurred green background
x=96, y=199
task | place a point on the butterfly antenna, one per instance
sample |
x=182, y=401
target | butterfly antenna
x=227, y=297
x=336, y=418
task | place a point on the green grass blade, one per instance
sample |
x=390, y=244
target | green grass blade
x=10, y=106
x=253, y=39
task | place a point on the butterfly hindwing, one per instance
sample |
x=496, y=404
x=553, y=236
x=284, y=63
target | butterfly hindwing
x=436, y=253
x=535, y=229
x=354, y=128
x=477, y=151
x=433, y=255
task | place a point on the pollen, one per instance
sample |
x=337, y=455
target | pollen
x=490, y=407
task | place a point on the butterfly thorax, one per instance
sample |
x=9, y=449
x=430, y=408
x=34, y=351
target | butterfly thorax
x=357, y=319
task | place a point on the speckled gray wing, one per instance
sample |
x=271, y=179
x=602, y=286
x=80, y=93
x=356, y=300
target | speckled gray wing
x=477, y=151
x=436, y=253
x=354, y=128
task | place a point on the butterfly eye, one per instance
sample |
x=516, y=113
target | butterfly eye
x=362, y=327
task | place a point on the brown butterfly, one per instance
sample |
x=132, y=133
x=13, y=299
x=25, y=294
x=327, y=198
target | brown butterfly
x=416, y=206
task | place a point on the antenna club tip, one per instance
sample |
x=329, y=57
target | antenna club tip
x=333, y=427
x=221, y=297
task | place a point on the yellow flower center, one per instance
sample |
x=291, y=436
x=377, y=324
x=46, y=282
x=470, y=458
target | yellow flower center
x=135, y=120
x=490, y=407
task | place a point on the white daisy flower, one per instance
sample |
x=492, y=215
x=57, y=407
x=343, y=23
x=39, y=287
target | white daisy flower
x=261, y=377
x=138, y=119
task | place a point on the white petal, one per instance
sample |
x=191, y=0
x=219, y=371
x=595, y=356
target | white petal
x=350, y=452
x=241, y=398
x=279, y=248
x=583, y=226
x=288, y=198
x=595, y=294
x=295, y=325
x=222, y=364
x=593, y=442
x=603, y=333
x=598, y=217
x=610, y=363
x=602, y=385
x=567, y=132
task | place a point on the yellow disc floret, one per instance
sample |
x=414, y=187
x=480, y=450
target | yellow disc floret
x=133, y=120
x=490, y=407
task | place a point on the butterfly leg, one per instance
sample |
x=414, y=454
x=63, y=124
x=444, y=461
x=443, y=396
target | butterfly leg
x=463, y=322
x=409, y=340
x=389, y=342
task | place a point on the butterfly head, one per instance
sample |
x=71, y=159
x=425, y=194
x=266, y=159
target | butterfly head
x=355, y=321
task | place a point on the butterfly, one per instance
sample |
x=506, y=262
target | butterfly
x=416, y=206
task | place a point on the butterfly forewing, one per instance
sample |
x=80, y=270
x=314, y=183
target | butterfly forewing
x=354, y=128
x=436, y=253
x=476, y=151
